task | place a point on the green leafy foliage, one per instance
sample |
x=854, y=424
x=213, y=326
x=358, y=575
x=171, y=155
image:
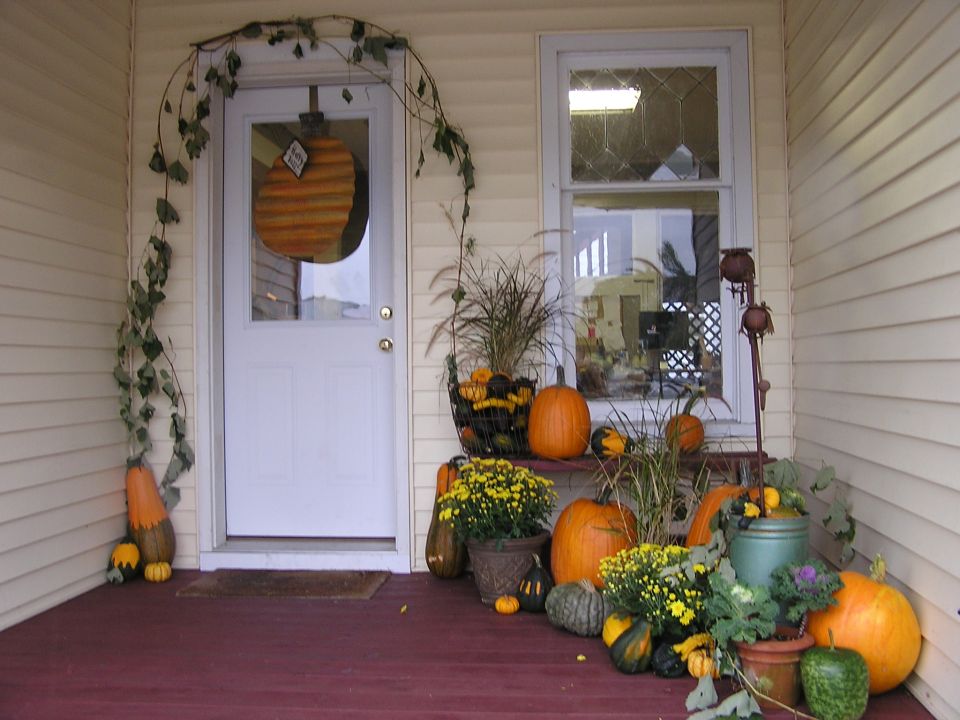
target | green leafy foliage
x=804, y=588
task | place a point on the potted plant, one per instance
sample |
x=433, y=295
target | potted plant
x=747, y=641
x=500, y=511
x=497, y=332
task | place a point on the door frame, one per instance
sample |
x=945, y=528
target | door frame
x=266, y=66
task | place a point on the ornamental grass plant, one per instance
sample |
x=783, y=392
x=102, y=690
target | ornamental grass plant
x=492, y=499
x=649, y=581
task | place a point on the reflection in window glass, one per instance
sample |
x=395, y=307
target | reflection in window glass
x=647, y=293
x=644, y=124
x=310, y=246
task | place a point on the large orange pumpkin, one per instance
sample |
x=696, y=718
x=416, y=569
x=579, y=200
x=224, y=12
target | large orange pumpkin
x=586, y=532
x=877, y=621
x=559, y=423
x=147, y=520
x=446, y=555
x=699, y=533
x=319, y=216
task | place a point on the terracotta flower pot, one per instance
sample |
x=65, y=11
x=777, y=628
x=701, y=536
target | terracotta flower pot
x=498, y=565
x=772, y=666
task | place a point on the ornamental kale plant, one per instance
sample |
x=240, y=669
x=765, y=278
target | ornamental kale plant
x=735, y=611
x=803, y=588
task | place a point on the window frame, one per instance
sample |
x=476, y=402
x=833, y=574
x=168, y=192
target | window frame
x=727, y=50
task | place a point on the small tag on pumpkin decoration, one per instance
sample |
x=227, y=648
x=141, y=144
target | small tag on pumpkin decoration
x=295, y=157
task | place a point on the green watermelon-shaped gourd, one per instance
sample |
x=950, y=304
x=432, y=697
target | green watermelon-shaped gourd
x=836, y=682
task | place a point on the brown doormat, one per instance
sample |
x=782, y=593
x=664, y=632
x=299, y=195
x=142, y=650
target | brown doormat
x=319, y=584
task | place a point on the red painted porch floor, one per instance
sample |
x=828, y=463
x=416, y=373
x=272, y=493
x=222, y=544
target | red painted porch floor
x=139, y=651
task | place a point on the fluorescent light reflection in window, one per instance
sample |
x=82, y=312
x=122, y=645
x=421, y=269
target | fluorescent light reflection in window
x=597, y=100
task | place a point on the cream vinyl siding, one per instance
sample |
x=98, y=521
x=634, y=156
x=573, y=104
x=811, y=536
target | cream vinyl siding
x=874, y=121
x=484, y=58
x=63, y=271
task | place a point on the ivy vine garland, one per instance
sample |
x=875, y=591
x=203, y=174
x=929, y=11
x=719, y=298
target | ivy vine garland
x=137, y=341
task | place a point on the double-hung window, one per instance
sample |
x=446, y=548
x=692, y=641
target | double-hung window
x=647, y=177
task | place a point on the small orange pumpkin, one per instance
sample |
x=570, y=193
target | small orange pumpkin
x=586, y=532
x=877, y=621
x=506, y=605
x=147, y=520
x=685, y=432
x=559, y=424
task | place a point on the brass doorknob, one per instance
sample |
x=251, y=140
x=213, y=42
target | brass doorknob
x=386, y=344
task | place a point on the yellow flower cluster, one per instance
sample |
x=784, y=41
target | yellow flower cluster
x=493, y=499
x=647, y=580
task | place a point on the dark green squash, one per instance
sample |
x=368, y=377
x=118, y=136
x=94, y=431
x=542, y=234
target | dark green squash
x=666, y=662
x=632, y=651
x=124, y=562
x=577, y=607
x=608, y=442
x=534, y=587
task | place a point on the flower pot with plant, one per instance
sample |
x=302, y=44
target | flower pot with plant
x=500, y=512
x=745, y=638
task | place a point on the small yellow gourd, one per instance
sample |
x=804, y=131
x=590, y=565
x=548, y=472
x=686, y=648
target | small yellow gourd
x=507, y=604
x=771, y=498
x=700, y=664
x=157, y=572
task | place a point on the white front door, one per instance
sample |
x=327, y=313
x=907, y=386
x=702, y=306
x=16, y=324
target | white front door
x=308, y=367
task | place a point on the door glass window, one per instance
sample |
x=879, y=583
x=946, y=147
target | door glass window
x=310, y=247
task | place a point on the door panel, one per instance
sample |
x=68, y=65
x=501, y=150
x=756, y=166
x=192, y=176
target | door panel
x=308, y=393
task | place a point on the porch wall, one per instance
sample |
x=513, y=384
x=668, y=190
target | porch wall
x=874, y=120
x=63, y=270
x=484, y=58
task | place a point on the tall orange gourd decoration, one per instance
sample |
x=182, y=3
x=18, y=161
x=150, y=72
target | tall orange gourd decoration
x=445, y=553
x=877, y=621
x=586, y=532
x=559, y=424
x=147, y=519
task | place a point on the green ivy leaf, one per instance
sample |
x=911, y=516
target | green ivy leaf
x=823, y=479
x=157, y=163
x=347, y=95
x=251, y=30
x=358, y=30
x=421, y=87
x=458, y=295
x=703, y=695
x=170, y=392
x=466, y=210
x=212, y=74
x=166, y=213
x=377, y=47
x=203, y=108
x=167, y=107
x=466, y=171
x=178, y=173
x=190, y=87
x=356, y=55
x=298, y=51
x=233, y=62
x=122, y=376
x=147, y=411
x=169, y=493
